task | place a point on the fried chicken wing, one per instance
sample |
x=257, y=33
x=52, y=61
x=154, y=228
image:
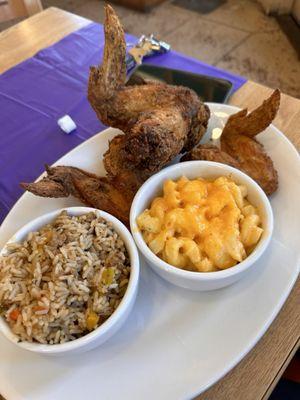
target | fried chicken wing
x=240, y=149
x=238, y=140
x=253, y=160
x=94, y=191
x=159, y=120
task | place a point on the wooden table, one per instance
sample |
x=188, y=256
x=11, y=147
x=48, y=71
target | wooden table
x=255, y=377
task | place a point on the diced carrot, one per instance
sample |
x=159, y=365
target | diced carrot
x=13, y=315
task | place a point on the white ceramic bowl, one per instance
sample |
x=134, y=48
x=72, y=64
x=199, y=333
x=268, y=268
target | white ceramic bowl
x=114, y=322
x=205, y=169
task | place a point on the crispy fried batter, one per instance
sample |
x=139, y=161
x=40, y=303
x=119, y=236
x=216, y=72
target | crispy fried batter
x=253, y=160
x=209, y=152
x=255, y=122
x=239, y=148
x=159, y=120
x=94, y=191
x=238, y=141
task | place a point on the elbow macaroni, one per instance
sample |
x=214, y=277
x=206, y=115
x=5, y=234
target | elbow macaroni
x=201, y=225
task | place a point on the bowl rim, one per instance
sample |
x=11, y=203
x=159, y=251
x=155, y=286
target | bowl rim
x=191, y=275
x=103, y=329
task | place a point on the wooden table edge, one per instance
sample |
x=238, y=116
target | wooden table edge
x=282, y=369
x=241, y=98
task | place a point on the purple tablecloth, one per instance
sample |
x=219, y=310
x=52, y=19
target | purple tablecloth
x=35, y=93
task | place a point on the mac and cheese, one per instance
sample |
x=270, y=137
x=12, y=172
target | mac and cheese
x=201, y=225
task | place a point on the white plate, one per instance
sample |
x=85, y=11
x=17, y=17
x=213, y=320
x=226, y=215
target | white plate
x=176, y=343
